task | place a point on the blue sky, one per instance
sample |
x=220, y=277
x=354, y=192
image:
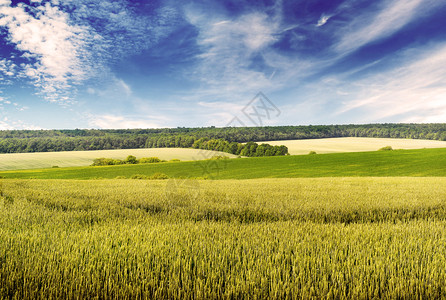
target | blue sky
x=140, y=64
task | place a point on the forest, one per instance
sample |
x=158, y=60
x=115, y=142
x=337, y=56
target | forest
x=210, y=138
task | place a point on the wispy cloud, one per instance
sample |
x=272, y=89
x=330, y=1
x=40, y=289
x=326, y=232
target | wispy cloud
x=15, y=105
x=109, y=121
x=390, y=18
x=323, y=20
x=229, y=50
x=413, y=92
x=121, y=29
x=8, y=124
x=122, y=84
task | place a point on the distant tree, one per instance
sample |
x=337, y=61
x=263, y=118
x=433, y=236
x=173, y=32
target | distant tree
x=131, y=160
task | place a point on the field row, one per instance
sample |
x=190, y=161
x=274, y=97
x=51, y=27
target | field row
x=224, y=260
x=18, y=161
x=354, y=144
x=424, y=162
x=321, y=200
x=332, y=238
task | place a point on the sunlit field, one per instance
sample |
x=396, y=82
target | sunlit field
x=331, y=238
x=420, y=163
x=368, y=225
x=353, y=144
x=18, y=161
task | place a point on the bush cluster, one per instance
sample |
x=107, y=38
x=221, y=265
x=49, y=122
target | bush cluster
x=130, y=160
x=156, y=176
x=386, y=148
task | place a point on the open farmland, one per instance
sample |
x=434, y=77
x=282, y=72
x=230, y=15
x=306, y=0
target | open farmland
x=41, y=160
x=346, y=236
x=424, y=162
x=353, y=144
x=17, y=161
x=357, y=238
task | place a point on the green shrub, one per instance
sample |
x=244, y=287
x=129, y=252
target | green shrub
x=149, y=160
x=139, y=176
x=131, y=160
x=218, y=157
x=107, y=162
x=312, y=152
x=386, y=148
x=174, y=160
x=155, y=176
x=102, y=161
x=159, y=176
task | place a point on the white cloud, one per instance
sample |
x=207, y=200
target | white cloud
x=323, y=20
x=54, y=47
x=122, y=30
x=414, y=92
x=7, y=67
x=229, y=47
x=7, y=124
x=369, y=27
x=65, y=49
x=110, y=88
x=109, y=121
x=123, y=85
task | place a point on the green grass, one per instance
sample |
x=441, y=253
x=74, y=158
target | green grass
x=321, y=238
x=424, y=162
x=20, y=161
x=352, y=144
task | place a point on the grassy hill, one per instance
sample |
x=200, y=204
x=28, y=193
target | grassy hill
x=353, y=144
x=424, y=162
x=20, y=161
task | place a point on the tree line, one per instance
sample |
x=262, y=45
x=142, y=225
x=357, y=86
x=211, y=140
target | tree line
x=19, y=141
x=250, y=149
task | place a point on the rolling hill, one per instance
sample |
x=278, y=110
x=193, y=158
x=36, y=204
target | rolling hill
x=422, y=162
x=40, y=160
x=353, y=144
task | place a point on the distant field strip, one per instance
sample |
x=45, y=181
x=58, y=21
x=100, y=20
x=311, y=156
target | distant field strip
x=424, y=162
x=352, y=144
x=20, y=161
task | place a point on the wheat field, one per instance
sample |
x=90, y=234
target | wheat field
x=354, y=144
x=323, y=238
x=40, y=160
